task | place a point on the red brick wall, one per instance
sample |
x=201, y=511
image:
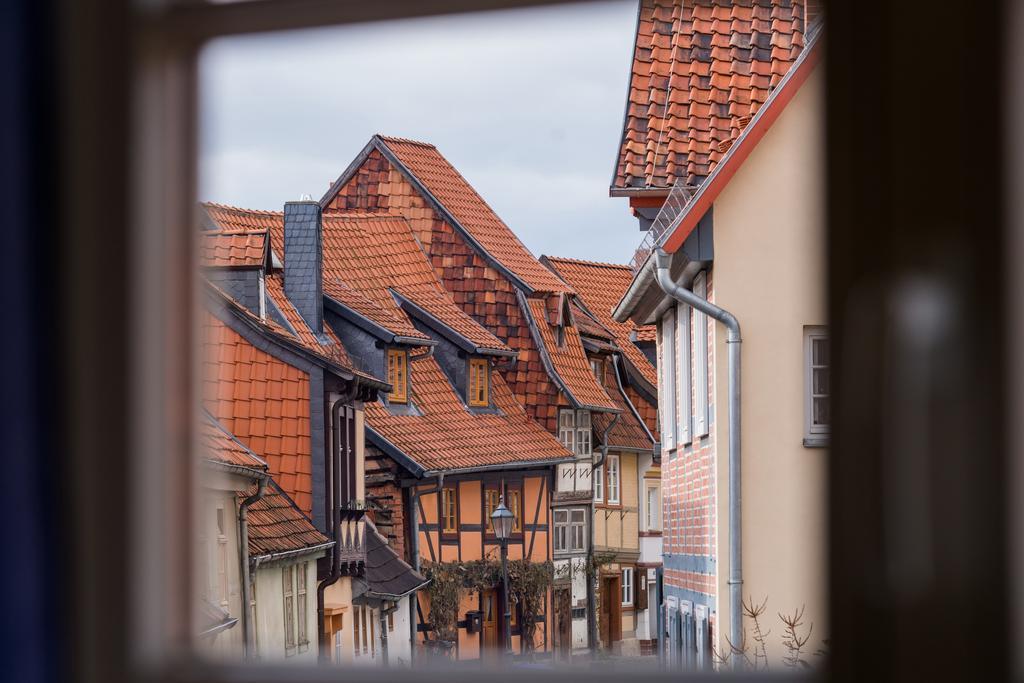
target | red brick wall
x=688, y=488
x=479, y=289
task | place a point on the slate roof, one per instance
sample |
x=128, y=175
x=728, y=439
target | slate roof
x=387, y=575
x=700, y=71
x=276, y=524
x=600, y=286
x=568, y=359
x=233, y=249
x=431, y=170
x=447, y=436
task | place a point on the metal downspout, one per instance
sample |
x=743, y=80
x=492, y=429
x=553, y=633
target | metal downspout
x=243, y=552
x=334, y=514
x=591, y=588
x=733, y=341
x=414, y=500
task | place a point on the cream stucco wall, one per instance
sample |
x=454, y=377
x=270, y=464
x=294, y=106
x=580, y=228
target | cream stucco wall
x=769, y=272
x=270, y=630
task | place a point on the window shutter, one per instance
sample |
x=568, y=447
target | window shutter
x=700, y=332
x=668, y=374
x=641, y=588
x=685, y=392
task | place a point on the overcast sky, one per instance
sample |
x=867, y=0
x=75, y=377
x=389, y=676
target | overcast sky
x=527, y=105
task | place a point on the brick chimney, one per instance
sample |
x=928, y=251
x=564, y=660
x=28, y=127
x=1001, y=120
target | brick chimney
x=303, y=261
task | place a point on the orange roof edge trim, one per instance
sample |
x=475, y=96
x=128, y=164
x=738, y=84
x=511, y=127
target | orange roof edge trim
x=745, y=145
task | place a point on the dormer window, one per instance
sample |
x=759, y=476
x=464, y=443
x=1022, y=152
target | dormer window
x=398, y=375
x=478, y=383
x=575, y=431
x=597, y=367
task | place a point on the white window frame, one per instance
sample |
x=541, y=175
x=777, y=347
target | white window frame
x=812, y=430
x=567, y=429
x=653, y=518
x=561, y=531
x=684, y=392
x=667, y=381
x=578, y=529
x=598, y=478
x=614, y=483
x=570, y=530
x=223, y=589
x=700, y=331
x=627, y=586
x=584, y=434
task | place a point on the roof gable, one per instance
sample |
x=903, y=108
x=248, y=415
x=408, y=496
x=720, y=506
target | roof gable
x=453, y=197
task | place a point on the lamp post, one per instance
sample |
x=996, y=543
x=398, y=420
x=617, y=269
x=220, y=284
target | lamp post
x=501, y=522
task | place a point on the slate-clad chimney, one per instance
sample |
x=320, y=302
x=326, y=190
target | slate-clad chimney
x=303, y=261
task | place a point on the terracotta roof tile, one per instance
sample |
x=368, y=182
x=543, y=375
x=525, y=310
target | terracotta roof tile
x=222, y=447
x=447, y=436
x=233, y=249
x=600, y=286
x=698, y=68
x=252, y=394
x=367, y=256
x=276, y=524
x=455, y=193
x=627, y=433
x=569, y=359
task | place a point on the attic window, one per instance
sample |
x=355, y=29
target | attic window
x=398, y=375
x=477, y=383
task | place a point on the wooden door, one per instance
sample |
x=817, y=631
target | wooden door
x=563, y=622
x=611, y=610
x=490, y=624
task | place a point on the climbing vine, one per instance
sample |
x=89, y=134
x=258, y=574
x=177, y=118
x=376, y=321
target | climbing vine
x=528, y=584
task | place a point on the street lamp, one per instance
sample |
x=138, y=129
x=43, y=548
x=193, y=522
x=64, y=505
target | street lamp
x=501, y=522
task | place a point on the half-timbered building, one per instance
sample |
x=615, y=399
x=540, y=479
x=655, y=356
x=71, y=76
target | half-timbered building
x=450, y=440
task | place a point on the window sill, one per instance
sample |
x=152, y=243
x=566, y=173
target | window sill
x=820, y=441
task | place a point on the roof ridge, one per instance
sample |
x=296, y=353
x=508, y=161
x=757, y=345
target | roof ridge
x=601, y=264
x=230, y=207
x=392, y=138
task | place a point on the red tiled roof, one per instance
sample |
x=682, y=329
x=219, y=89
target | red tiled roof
x=600, y=286
x=447, y=436
x=234, y=219
x=221, y=447
x=569, y=359
x=459, y=198
x=627, y=433
x=647, y=333
x=263, y=401
x=277, y=525
x=232, y=249
x=366, y=256
x=700, y=70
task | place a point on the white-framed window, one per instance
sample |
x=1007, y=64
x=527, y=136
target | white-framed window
x=584, y=433
x=567, y=429
x=613, y=480
x=685, y=382
x=570, y=530
x=700, y=338
x=575, y=431
x=599, y=484
x=597, y=367
x=627, y=586
x=578, y=529
x=817, y=408
x=668, y=381
x=653, y=502
x=288, y=586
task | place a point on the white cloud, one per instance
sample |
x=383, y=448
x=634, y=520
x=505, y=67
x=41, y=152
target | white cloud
x=527, y=105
